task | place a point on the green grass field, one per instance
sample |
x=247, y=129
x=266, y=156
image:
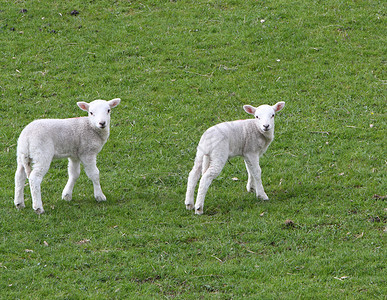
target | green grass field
x=180, y=67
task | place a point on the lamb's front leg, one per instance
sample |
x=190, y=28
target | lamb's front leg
x=74, y=170
x=250, y=181
x=90, y=164
x=254, y=170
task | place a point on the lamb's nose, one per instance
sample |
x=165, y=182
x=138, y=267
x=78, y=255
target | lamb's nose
x=266, y=127
x=102, y=124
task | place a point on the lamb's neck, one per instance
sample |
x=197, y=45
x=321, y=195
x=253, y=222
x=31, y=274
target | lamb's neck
x=269, y=136
x=103, y=133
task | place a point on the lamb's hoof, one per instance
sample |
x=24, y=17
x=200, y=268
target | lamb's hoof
x=264, y=198
x=100, y=198
x=189, y=206
x=20, y=205
x=39, y=211
x=67, y=197
x=199, y=211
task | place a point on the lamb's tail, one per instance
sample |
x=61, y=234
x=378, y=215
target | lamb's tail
x=23, y=158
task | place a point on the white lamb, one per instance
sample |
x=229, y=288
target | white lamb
x=247, y=138
x=78, y=139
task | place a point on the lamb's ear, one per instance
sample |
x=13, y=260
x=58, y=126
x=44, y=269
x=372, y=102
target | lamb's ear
x=249, y=109
x=114, y=102
x=83, y=105
x=278, y=106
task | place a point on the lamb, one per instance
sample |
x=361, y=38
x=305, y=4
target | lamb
x=248, y=138
x=78, y=139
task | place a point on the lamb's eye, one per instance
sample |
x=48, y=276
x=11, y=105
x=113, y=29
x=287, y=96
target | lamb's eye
x=109, y=111
x=257, y=117
x=91, y=113
x=272, y=116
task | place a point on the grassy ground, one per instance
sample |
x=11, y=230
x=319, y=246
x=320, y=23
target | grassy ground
x=180, y=67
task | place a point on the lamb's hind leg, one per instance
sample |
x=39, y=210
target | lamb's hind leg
x=193, y=179
x=20, y=178
x=35, y=179
x=74, y=170
x=212, y=172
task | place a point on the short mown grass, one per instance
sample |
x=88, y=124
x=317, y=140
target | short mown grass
x=180, y=67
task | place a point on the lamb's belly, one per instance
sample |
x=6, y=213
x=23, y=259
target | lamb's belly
x=235, y=152
x=64, y=153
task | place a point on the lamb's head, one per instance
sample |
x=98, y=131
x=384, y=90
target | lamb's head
x=99, y=111
x=264, y=115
